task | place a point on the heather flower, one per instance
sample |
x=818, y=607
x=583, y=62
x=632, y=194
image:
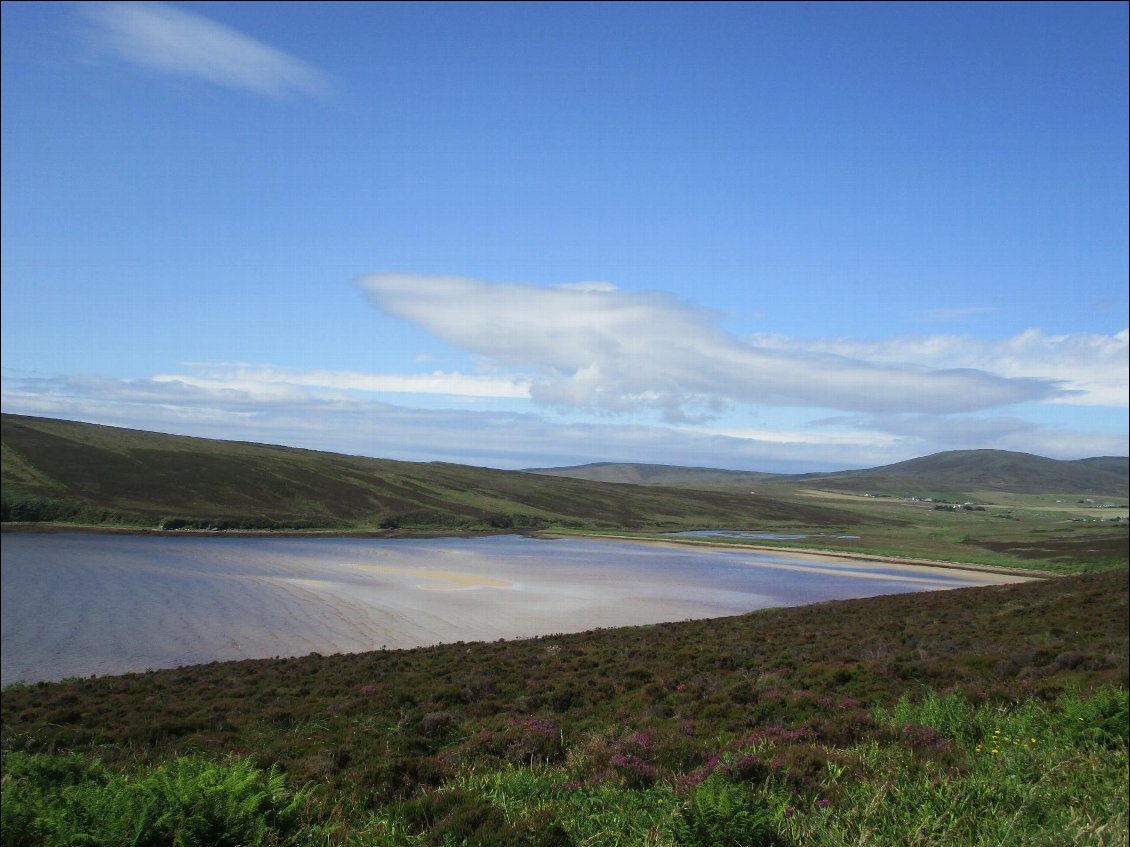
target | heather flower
x=644, y=738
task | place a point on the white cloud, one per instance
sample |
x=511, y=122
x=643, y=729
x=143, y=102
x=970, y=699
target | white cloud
x=266, y=381
x=174, y=41
x=596, y=348
x=1000, y=432
x=1094, y=369
x=853, y=437
x=592, y=347
x=302, y=416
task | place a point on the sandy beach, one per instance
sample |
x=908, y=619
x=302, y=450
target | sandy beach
x=809, y=554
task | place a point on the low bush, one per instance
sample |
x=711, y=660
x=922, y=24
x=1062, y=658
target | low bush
x=720, y=813
x=69, y=799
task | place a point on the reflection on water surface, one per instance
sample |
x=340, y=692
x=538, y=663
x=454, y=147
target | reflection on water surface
x=77, y=605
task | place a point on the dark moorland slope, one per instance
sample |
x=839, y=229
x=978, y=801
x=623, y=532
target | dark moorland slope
x=78, y=472
x=383, y=724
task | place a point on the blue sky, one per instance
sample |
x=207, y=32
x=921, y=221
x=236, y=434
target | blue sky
x=783, y=237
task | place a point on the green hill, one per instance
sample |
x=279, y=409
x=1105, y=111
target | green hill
x=955, y=472
x=643, y=474
x=960, y=471
x=78, y=472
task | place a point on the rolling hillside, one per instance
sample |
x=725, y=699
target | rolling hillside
x=63, y=470
x=955, y=472
x=960, y=471
x=641, y=474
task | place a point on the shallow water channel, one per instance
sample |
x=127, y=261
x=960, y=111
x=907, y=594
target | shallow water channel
x=82, y=605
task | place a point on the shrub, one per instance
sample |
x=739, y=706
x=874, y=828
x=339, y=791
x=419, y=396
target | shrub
x=720, y=814
x=457, y=816
x=68, y=800
x=17, y=506
x=1103, y=718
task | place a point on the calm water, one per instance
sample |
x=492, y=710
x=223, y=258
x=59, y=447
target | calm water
x=81, y=605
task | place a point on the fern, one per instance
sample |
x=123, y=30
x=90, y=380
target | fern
x=190, y=802
x=719, y=814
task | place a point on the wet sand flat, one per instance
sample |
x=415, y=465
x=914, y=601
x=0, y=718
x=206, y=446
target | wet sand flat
x=81, y=605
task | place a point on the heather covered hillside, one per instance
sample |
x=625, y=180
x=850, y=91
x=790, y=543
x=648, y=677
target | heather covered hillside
x=975, y=717
x=63, y=470
x=956, y=472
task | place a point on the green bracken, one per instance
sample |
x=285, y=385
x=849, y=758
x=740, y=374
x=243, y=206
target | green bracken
x=72, y=799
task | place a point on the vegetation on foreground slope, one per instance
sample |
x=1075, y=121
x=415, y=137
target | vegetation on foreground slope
x=975, y=716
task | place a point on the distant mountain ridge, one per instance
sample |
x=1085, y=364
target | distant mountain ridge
x=954, y=470
x=998, y=470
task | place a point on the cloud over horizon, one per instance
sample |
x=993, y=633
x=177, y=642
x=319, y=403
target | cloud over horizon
x=300, y=416
x=171, y=40
x=268, y=381
x=665, y=383
x=596, y=348
x=1094, y=369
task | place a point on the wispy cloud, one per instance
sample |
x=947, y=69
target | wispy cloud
x=593, y=348
x=596, y=348
x=171, y=40
x=1093, y=369
x=999, y=432
x=300, y=416
x=267, y=381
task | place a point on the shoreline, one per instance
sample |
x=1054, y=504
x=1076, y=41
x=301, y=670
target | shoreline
x=103, y=529
x=819, y=554
x=807, y=552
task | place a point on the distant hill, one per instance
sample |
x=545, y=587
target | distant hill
x=955, y=472
x=79, y=472
x=638, y=474
x=989, y=470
